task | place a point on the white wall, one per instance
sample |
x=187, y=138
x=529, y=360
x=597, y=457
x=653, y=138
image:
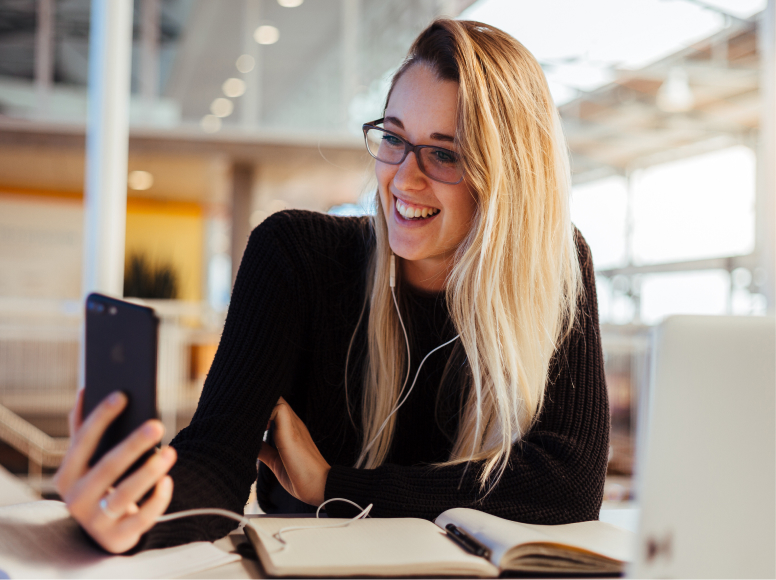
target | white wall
x=40, y=246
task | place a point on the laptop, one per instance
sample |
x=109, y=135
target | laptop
x=706, y=467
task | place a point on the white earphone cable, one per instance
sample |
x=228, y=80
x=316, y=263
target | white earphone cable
x=392, y=284
x=364, y=511
x=277, y=535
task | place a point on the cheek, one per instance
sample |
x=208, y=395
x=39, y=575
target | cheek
x=462, y=208
x=384, y=174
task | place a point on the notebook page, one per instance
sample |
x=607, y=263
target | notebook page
x=372, y=546
x=501, y=535
x=41, y=540
x=474, y=526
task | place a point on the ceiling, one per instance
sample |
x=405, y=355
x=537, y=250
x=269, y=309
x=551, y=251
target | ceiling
x=582, y=45
x=621, y=126
x=611, y=129
x=299, y=81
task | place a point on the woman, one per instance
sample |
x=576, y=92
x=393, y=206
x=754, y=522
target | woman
x=508, y=412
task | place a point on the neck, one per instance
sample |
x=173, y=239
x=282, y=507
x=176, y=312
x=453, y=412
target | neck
x=429, y=274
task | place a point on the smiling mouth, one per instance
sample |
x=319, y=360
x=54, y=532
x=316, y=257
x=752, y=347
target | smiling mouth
x=414, y=213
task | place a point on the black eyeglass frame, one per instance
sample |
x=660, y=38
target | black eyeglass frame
x=408, y=147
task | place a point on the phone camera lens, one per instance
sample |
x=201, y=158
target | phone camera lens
x=100, y=308
x=112, y=310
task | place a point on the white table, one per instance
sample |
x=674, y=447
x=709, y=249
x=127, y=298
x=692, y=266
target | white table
x=624, y=517
x=14, y=491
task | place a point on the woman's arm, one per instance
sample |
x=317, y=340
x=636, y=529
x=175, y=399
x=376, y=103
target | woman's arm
x=555, y=474
x=256, y=363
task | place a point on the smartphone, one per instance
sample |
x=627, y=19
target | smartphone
x=121, y=355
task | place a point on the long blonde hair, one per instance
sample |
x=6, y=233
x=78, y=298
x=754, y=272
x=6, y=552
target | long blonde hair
x=512, y=293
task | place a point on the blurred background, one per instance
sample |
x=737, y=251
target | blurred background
x=241, y=108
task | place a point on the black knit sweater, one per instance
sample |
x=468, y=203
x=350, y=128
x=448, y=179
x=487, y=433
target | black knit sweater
x=295, y=306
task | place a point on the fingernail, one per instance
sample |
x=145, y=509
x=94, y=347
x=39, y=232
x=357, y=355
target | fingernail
x=115, y=398
x=167, y=454
x=150, y=430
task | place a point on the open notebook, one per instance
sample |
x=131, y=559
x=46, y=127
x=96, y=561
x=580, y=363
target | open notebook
x=409, y=546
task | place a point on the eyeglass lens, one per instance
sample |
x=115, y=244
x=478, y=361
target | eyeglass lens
x=438, y=163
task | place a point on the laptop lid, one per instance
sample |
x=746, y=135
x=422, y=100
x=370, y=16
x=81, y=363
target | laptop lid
x=706, y=468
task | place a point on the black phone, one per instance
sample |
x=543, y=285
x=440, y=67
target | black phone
x=121, y=355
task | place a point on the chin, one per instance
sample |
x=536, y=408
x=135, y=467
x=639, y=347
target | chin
x=407, y=251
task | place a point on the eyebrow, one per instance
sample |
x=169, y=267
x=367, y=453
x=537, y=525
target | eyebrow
x=434, y=136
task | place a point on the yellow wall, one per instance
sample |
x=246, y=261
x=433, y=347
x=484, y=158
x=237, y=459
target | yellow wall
x=166, y=231
x=171, y=232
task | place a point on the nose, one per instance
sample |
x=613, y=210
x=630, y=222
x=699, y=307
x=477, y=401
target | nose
x=408, y=175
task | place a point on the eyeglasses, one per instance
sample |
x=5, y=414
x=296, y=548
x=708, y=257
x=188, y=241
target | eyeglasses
x=437, y=163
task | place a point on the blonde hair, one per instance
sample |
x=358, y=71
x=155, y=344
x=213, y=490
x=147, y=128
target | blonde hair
x=513, y=290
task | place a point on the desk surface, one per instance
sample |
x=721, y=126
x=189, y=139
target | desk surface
x=236, y=542
x=248, y=568
x=244, y=568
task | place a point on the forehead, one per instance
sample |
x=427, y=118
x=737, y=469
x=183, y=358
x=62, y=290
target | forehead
x=424, y=103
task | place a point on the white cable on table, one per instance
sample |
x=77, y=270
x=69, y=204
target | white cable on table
x=277, y=535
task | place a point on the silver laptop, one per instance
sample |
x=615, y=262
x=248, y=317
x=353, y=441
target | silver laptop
x=706, y=470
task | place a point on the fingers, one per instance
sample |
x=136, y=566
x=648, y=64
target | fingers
x=295, y=460
x=145, y=517
x=283, y=416
x=281, y=409
x=120, y=458
x=134, y=487
x=85, y=440
x=290, y=430
x=120, y=534
x=281, y=405
x=118, y=525
x=114, y=520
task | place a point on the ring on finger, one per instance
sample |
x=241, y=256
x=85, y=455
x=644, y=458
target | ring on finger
x=107, y=511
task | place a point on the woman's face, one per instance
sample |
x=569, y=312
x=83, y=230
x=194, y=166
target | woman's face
x=422, y=109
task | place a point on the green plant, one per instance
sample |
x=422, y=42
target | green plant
x=144, y=279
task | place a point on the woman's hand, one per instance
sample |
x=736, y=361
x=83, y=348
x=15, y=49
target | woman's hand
x=119, y=522
x=296, y=461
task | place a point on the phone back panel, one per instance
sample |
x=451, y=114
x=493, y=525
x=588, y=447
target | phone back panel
x=121, y=355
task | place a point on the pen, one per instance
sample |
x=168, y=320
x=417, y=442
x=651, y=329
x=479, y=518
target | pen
x=467, y=542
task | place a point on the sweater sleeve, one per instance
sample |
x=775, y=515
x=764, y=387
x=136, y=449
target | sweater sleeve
x=257, y=362
x=555, y=474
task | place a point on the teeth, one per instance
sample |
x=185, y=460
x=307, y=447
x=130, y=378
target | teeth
x=414, y=213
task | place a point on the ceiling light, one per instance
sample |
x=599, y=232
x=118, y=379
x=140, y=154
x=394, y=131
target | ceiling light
x=233, y=87
x=140, y=180
x=266, y=34
x=675, y=95
x=245, y=63
x=210, y=124
x=221, y=107
x=290, y=3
